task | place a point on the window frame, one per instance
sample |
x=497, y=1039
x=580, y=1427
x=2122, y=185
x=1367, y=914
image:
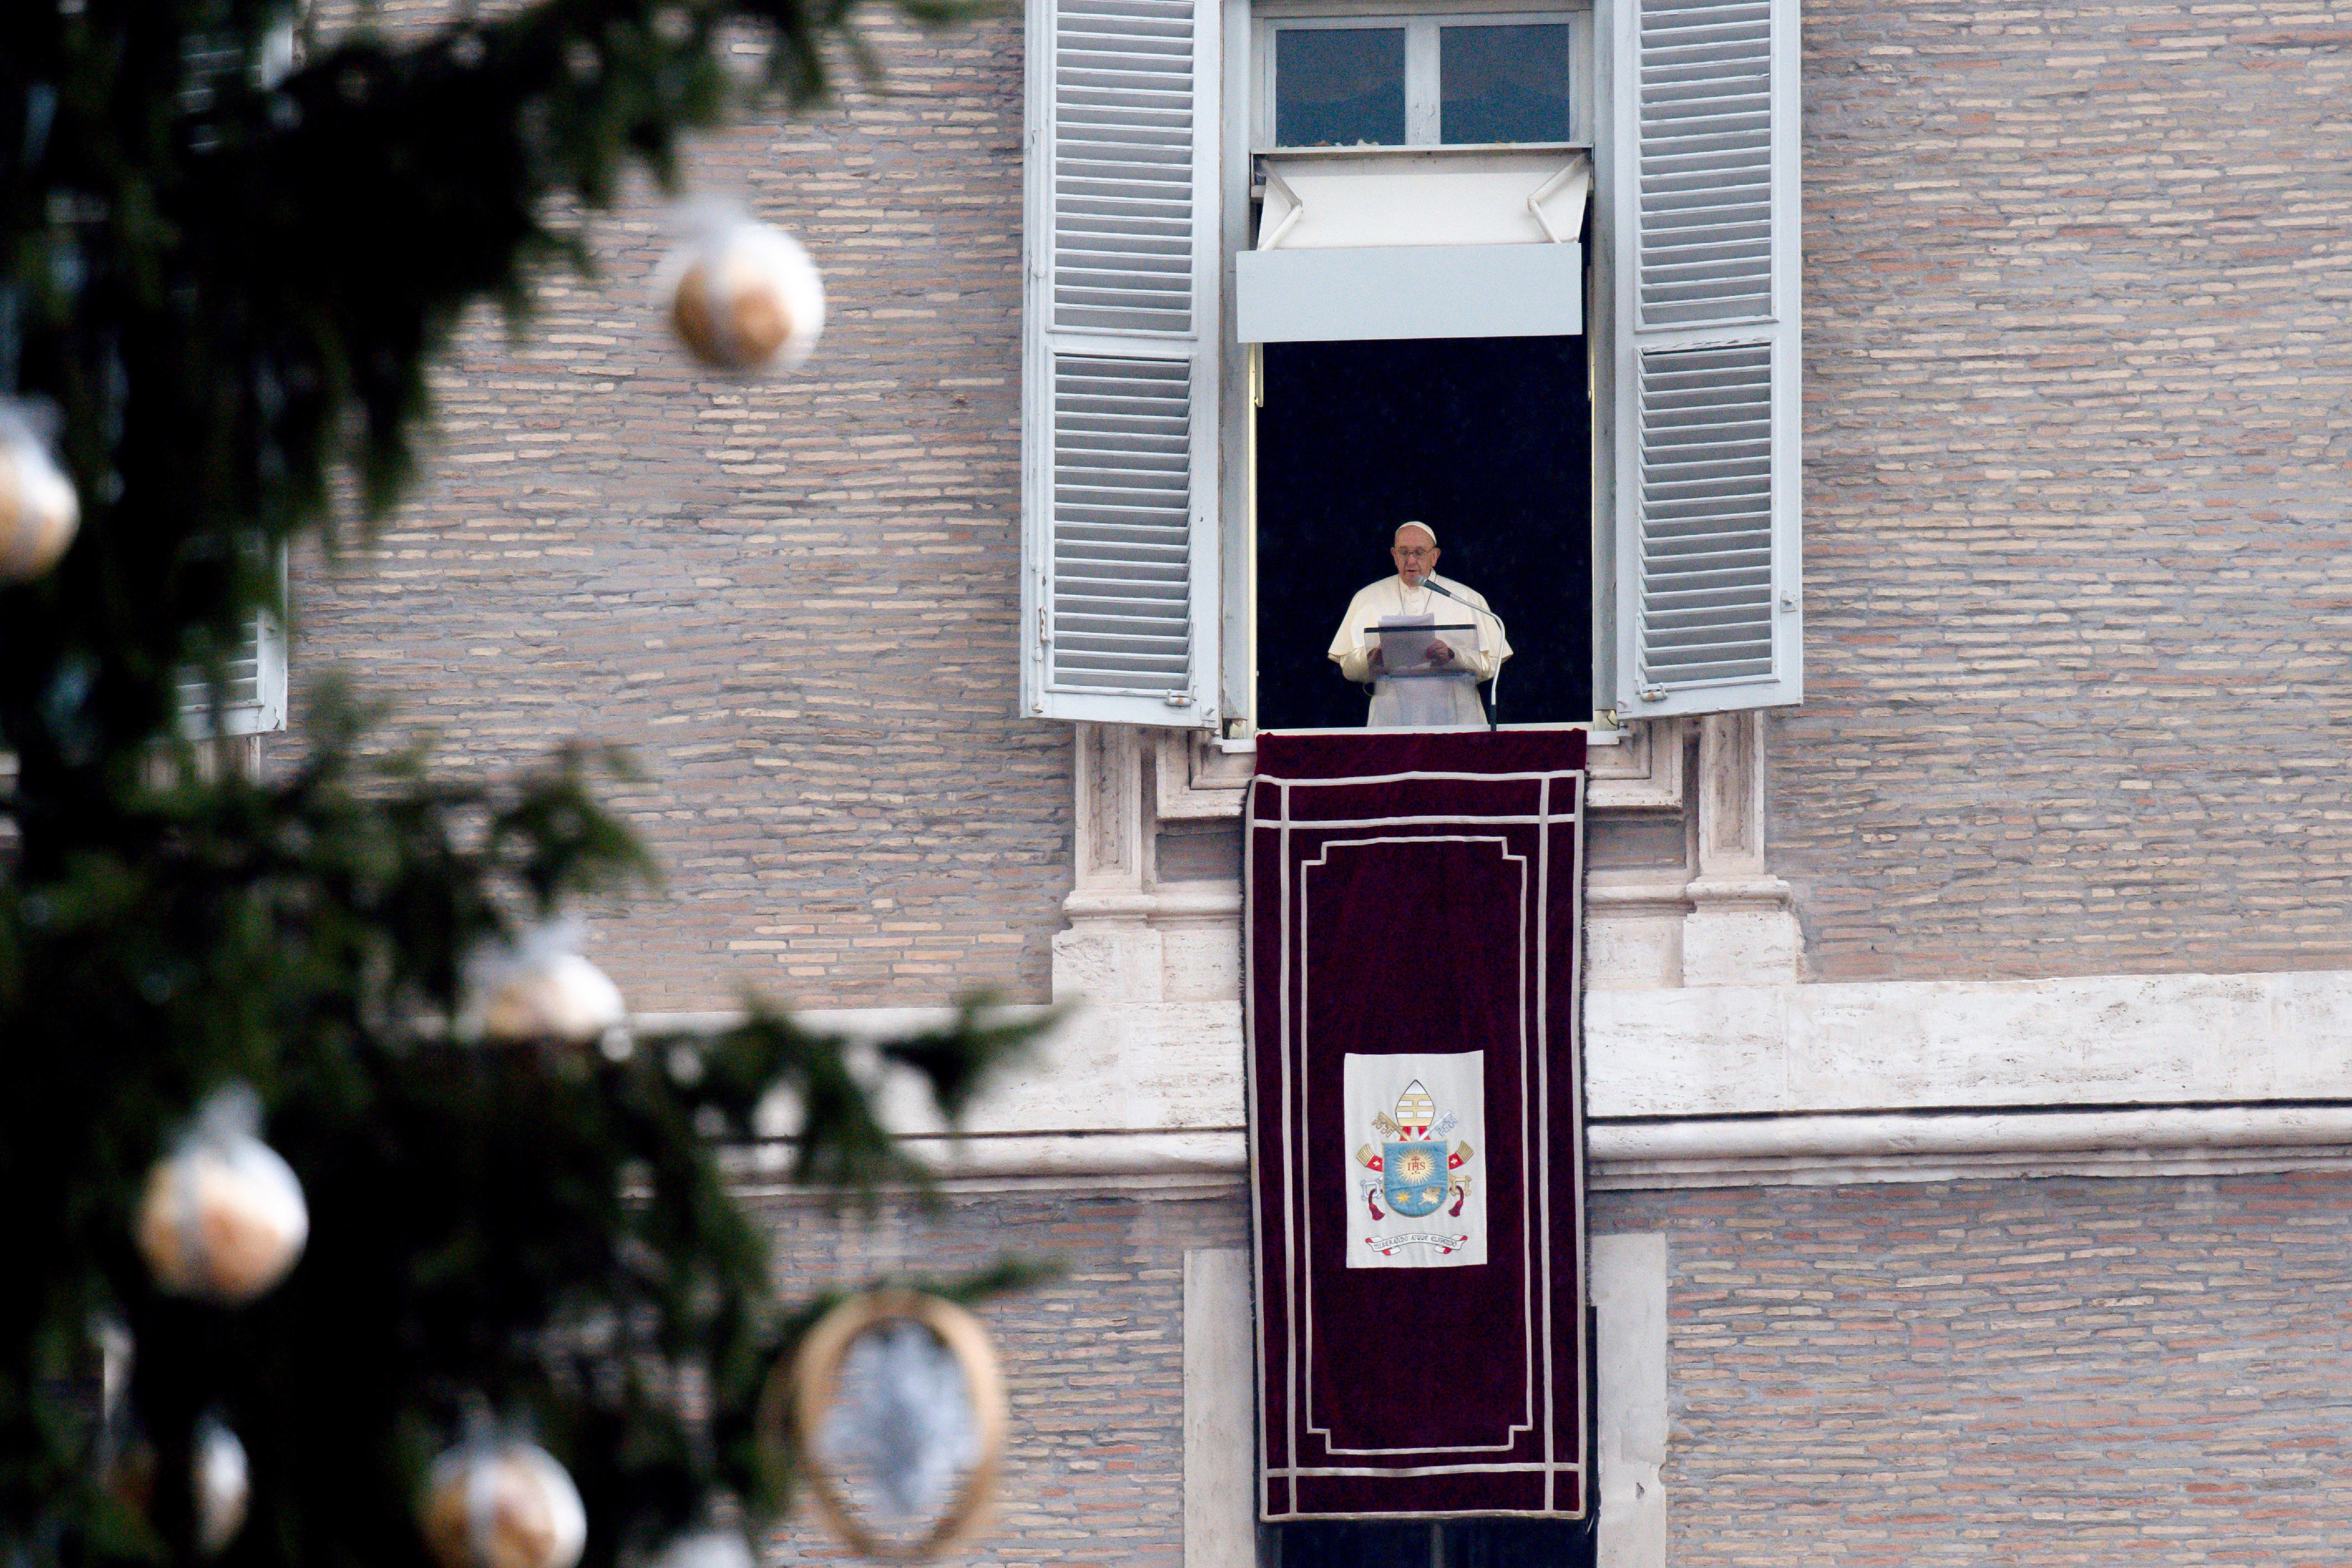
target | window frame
x=1249, y=87
x=1232, y=62
x=1424, y=91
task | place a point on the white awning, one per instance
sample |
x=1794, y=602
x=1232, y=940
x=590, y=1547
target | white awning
x=1410, y=291
x=1363, y=243
x=1331, y=199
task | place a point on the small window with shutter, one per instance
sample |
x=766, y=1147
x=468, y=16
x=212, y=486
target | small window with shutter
x=249, y=695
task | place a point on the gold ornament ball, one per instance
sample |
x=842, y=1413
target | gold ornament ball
x=39, y=512
x=748, y=299
x=553, y=996
x=222, y=1219
x=502, y=1505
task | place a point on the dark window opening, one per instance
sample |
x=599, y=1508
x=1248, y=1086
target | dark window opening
x=1454, y=1544
x=1488, y=440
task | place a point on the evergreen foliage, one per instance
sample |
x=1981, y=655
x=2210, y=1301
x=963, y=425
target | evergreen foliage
x=228, y=278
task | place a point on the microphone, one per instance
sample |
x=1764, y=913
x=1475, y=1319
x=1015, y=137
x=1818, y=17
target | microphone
x=1432, y=584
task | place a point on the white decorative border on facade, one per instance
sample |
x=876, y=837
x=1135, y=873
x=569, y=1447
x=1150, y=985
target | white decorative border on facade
x=1889, y=1080
x=2107, y=1040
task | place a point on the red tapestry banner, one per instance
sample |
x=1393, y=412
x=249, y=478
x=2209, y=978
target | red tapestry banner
x=1416, y=1125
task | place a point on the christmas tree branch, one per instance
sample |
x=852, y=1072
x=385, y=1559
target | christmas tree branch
x=228, y=285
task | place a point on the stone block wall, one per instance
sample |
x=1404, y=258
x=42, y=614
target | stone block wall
x=2032, y=1374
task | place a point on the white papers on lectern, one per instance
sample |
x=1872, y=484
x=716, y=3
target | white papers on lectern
x=1405, y=643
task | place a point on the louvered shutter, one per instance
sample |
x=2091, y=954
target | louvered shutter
x=251, y=698
x=1120, y=585
x=1703, y=200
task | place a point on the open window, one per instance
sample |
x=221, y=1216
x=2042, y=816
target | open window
x=1412, y=299
x=1298, y=267
x=1486, y=439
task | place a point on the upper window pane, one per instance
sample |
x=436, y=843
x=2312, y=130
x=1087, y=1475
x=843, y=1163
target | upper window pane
x=1340, y=87
x=1502, y=83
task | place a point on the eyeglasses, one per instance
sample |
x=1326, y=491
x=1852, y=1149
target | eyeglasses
x=1414, y=554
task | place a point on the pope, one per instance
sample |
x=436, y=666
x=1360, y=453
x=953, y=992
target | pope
x=1417, y=590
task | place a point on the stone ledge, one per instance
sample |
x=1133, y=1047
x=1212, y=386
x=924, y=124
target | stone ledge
x=2107, y=1040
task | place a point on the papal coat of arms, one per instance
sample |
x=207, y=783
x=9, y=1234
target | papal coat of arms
x=1419, y=1169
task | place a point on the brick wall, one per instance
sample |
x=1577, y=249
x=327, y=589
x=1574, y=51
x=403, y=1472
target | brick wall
x=2079, y=383
x=2032, y=1374
x=2078, y=358
x=2029, y=1373
x=1094, y=1361
x=795, y=600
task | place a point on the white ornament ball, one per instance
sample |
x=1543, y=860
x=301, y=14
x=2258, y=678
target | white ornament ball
x=223, y=1486
x=38, y=511
x=502, y=1505
x=746, y=298
x=708, y=1548
x=222, y=1218
x=560, y=997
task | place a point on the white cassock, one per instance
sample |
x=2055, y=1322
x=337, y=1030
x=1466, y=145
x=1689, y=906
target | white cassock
x=1352, y=652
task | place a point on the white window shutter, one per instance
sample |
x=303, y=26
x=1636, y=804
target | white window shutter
x=252, y=695
x=1120, y=579
x=1704, y=363
x=253, y=692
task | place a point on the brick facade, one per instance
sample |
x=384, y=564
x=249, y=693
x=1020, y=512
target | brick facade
x=1094, y=1361
x=2039, y=1375
x=2078, y=359
x=2078, y=374
x=2079, y=422
x=794, y=600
